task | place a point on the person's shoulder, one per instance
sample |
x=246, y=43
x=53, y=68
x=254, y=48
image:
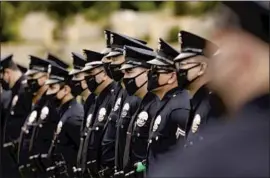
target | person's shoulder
x=180, y=100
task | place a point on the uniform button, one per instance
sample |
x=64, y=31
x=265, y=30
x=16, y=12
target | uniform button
x=40, y=125
x=200, y=138
x=138, y=134
x=150, y=141
x=12, y=112
x=110, y=119
x=58, y=141
x=97, y=128
x=191, y=143
x=122, y=126
x=156, y=138
x=69, y=107
x=174, y=95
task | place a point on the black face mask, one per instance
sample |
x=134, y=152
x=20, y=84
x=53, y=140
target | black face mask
x=33, y=85
x=92, y=83
x=107, y=69
x=4, y=84
x=130, y=84
x=182, y=77
x=116, y=73
x=76, y=88
x=153, y=83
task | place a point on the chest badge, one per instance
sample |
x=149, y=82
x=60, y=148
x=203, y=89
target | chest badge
x=142, y=119
x=196, y=123
x=32, y=118
x=117, y=104
x=101, y=114
x=125, y=110
x=15, y=100
x=88, y=120
x=44, y=113
x=157, y=123
x=59, y=127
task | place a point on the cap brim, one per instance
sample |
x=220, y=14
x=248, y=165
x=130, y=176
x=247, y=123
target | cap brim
x=74, y=71
x=157, y=62
x=52, y=81
x=31, y=72
x=127, y=66
x=184, y=55
x=113, y=54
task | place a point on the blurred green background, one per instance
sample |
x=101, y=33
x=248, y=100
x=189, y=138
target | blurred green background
x=163, y=18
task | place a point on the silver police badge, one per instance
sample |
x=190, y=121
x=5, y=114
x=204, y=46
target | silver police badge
x=117, y=104
x=59, y=127
x=157, y=123
x=32, y=118
x=196, y=122
x=88, y=120
x=101, y=115
x=44, y=113
x=125, y=110
x=142, y=119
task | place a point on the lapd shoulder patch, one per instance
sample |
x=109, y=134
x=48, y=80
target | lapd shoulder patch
x=44, y=113
x=125, y=110
x=14, y=100
x=117, y=104
x=101, y=114
x=142, y=119
x=88, y=120
x=32, y=117
x=59, y=127
x=157, y=123
x=196, y=123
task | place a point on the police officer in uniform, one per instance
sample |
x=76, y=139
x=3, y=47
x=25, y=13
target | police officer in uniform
x=36, y=78
x=135, y=80
x=124, y=107
x=65, y=142
x=191, y=65
x=103, y=86
x=240, y=76
x=169, y=124
x=18, y=108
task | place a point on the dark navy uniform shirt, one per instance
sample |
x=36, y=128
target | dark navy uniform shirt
x=237, y=148
x=169, y=124
x=108, y=141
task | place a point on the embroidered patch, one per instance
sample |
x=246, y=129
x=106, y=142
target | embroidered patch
x=142, y=119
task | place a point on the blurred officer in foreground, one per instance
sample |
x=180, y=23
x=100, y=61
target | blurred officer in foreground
x=65, y=143
x=169, y=124
x=18, y=107
x=36, y=78
x=124, y=106
x=192, y=65
x=135, y=79
x=240, y=75
x=103, y=86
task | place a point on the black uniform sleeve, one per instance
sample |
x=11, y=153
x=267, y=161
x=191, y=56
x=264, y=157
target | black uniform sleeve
x=180, y=117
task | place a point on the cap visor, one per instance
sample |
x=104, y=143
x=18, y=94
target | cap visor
x=127, y=66
x=52, y=81
x=156, y=62
x=31, y=72
x=182, y=56
x=113, y=54
x=74, y=71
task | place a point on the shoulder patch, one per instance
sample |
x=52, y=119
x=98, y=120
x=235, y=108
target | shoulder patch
x=142, y=119
x=125, y=110
x=196, y=123
x=157, y=123
x=88, y=120
x=101, y=114
x=117, y=104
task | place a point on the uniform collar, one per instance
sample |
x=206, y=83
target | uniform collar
x=18, y=84
x=107, y=90
x=66, y=106
x=172, y=93
x=202, y=93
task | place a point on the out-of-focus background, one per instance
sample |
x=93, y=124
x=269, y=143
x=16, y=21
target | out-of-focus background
x=63, y=27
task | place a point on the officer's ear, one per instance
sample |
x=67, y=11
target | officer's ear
x=173, y=78
x=67, y=89
x=203, y=68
